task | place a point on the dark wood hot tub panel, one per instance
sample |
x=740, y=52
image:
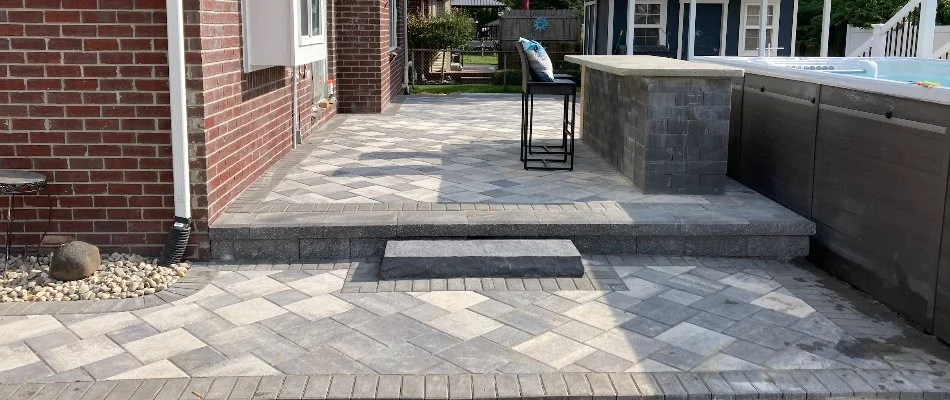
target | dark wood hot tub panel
x=872, y=172
x=778, y=140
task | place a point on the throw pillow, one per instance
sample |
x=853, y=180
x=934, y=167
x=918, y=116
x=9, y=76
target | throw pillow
x=538, y=61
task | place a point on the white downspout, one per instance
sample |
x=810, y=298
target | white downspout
x=181, y=228
x=179, y=110
x=295, y=136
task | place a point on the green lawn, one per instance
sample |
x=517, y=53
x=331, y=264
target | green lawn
x=464, y=88
x=472, y=59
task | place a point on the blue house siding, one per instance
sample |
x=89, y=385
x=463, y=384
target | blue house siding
x=732, y=35
x=620, y=23
x=672, y=26
x=785, y=28
x=673, y=32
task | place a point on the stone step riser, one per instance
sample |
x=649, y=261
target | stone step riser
x=782, y=247
x=514, y=258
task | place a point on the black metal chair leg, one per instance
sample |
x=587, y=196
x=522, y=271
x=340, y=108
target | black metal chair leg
x=564, y=131
x=524, y=127
x=6, y=256
x=573, y=118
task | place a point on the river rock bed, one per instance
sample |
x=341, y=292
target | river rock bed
x=119, y=276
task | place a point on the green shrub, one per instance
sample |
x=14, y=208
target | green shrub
x=446, y=31
x=510, y=76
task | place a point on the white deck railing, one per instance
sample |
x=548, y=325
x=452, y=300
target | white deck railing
x=906, y=34
x=943, y=53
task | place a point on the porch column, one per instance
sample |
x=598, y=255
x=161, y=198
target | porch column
x=763, y=15
x=691, y=47
x=928, y=24
x=825, y=28
x=631, y=12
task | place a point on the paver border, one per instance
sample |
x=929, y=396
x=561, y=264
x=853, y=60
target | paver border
x=734, y=385
x=197, y=278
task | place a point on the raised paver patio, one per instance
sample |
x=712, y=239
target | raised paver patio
x=683, y=325
x=447, y=166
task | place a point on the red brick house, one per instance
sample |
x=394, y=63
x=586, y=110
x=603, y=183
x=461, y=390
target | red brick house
x=85, y=99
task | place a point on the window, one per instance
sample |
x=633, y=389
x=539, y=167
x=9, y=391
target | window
x=393, y=25
x=321, y=87
x=648, y=21
x=312, y=21
x=750, y=28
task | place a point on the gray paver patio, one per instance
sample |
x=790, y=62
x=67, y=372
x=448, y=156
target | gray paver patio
x=441, y=152
x=790, y=318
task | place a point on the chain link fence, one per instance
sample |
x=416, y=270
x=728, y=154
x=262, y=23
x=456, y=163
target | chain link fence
x=486, y=69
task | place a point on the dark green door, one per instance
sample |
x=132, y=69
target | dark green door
x=708, y=29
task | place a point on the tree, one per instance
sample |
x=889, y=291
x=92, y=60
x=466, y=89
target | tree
x=859, y=13
x=447, y=31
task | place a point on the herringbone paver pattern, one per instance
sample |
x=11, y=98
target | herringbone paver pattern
x=678, y=315
x=433, y=150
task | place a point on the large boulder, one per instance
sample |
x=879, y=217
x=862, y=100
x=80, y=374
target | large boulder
x=74, y=260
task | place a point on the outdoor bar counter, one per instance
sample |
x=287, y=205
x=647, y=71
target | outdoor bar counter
x=663, y=123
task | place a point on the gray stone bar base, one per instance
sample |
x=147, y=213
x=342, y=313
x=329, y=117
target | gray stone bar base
x=667, y=135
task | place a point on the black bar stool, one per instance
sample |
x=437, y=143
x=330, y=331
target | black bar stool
x=562, y=86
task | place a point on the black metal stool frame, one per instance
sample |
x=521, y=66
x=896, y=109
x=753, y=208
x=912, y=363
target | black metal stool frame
x=560, y=87
x=566, y=149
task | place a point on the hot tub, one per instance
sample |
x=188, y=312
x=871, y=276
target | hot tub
x=906, y=77
x=862, y=149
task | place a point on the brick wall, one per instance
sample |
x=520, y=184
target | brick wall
x=84, y=100
x=246, y=117
x=368, y=73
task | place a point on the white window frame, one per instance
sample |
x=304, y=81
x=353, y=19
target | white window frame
x=661, y=26
x=590, y=43
x=743, y=27
x=310, y=39
x=393, y=24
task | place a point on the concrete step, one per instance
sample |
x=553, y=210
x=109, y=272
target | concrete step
x=662, y=229
x=430, y=259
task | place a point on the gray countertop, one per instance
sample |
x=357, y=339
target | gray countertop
x=653, y=66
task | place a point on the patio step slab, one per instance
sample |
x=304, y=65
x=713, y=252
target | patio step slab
x=512, y=258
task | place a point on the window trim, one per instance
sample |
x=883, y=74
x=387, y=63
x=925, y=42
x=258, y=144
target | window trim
x=308, y=40
x=661, y=26
x=743, y=27
x=393, y=25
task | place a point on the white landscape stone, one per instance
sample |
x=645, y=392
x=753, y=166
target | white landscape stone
x=119, y=276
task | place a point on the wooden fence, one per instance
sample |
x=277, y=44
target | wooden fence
x=562, y=34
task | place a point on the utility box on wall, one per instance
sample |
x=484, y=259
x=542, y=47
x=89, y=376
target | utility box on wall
x=283, y=32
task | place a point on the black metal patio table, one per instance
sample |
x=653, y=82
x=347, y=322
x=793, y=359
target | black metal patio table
x=19, y=182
